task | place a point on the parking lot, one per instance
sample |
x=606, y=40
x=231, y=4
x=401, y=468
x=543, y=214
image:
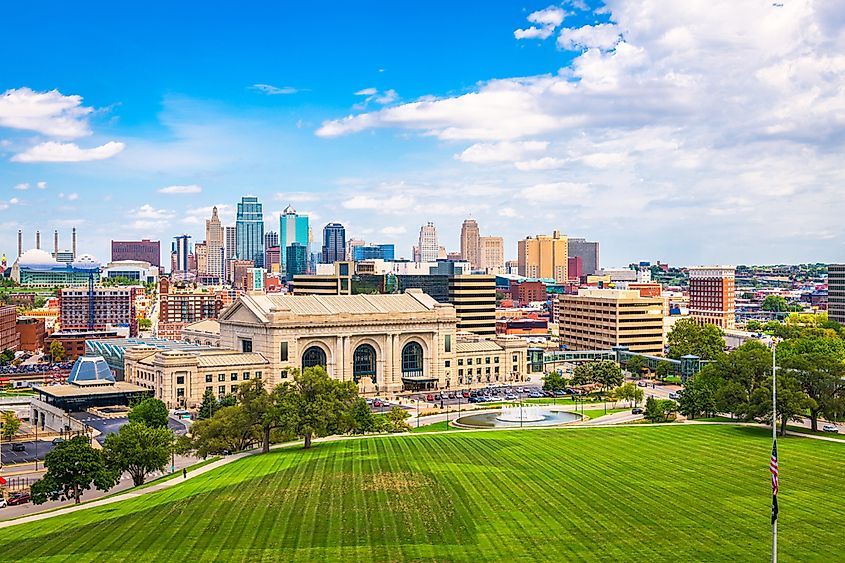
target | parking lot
x=28, y=455
x=107, y=426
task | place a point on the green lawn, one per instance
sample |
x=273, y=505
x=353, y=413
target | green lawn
x=436, y=427
x=674, y=493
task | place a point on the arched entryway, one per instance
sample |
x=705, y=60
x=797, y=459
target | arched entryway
x=413, y=369
x=364, y=363
x=314, y=356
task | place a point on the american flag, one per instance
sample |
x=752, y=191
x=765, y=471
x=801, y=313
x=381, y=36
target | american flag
x=773, y=466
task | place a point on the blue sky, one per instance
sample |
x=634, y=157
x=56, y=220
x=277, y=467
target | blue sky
x=638, y=126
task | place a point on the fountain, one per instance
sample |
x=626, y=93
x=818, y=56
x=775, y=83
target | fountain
x=521, y=414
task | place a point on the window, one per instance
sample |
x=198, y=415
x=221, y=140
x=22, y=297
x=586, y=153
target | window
x=496, y=369
x=496, y=360
x=487, y=371
x=487, y=360
x=180, y=380
x=221, y=377
x=246, y=375
x=208, y=378
x=283, y=352
x=478, y=371
x=246, y=345
x=180, y=392
x=234, y=377
x=221, y=390
x=209, y=389
x=412, y=359
x=234, y=388
x=258, y=375
x=515, y=358
x=313, y=356
x=460, y=373
x=448, y=363
x=364, y=363
x=477, y=360
x=448, y=342
x=460, y=361
x=469, y=361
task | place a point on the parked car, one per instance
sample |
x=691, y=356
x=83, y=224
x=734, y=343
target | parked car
x=451, y=395
x=535, y=395
x=642, y=384
x=57, y=441
x=2, y=502
x=636, y=410
x=672, y=395
x=429, y=397
x=476, y=399
x=510, y=397
x=520, y=390
x=18, y=498
x=465, y=394
x=18, y=448
x=377, y=403
x=832, y=428
x=560, y=392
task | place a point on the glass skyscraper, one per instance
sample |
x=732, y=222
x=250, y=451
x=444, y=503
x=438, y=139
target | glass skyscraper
x=293, y=227
x=249, y=227
x=334, y=243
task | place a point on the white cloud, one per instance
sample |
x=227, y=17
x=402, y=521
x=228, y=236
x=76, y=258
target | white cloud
x=274, y=90
x=389, y=230
x=14, y=201
x=533, y=32
x=49, y=113
x=366, y=92
x=545, y=163
x=23, y=186
x=73, y=196
x=555, y=192
x=602, y=36
x=41, y=185
x=505, y=151
x=547, y=19
x=186, y=189
x=387, y=204
x=373, y=95
x=53, y=151
x=147, y=211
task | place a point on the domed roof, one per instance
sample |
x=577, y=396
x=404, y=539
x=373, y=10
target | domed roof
x=36, y=258
x=89, y=370
x=86, y=262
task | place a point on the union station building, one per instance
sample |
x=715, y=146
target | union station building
x=387, y=344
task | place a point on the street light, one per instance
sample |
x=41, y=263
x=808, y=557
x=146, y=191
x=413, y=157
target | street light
x=418, y=412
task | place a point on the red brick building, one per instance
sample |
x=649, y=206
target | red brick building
x=9, y=339
x=528, y=291
x=143, y=250
x=179, y=307
x=32, y=333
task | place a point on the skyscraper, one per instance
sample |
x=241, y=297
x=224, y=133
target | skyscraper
x=271, y=239
x=471, y=243
x=296, y=260
x=231, y=243
x=250, y=231
x=836, y=292
x=334, y=243
x=214, y=239
x=711, y=295
x=544, y=257
x=181, y=248
x=492, y=254
x=293, y=227
x=428, y=249
x=588, y=252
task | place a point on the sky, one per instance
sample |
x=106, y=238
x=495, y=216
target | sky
x=695, y=132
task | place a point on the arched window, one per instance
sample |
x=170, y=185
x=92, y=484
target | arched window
x=313, y=356
x=364, y=363
x=412, y=359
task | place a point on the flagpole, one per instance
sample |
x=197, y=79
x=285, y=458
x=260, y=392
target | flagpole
x=774, y=446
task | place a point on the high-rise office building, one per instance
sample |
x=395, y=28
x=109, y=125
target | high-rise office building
x=214, y=245
x=373, y=252
x=711, y=295
x=334, y=243
x=181, y=251
x=271, y=238
x=836, y=292
x=351, y=244
x=231, y=243
x=293, y=227
x=492, y=254
x=474, y=298
x=249, y=225
x=201, y=257
x=588, y=252
x=296, y=260
x=136, y=250
x=470, y=243
x=544, y=256
x=428, y=249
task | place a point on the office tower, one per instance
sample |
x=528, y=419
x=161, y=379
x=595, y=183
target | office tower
x=55, y=243
x=201, y=257
x=373, y=252
x=836, y=292
x=598, y=319
x=38, y=240
x=470, y=243
x=20, y=243
x=711, y=295
x=181, y=251
x=9, y=338
x=73, y=243
x=575, y=268
x=249, y=226
x=296, y=260
x=351, y=245
x=214, y=243
x=137, y=250
x=428, y=249
x=474, y=298
x=589, y=254
x=293, y=227
x=334, y=243
x=544, y=256
x=492, y=254
x=231, y=234
x=180, y=307
x=271, y=238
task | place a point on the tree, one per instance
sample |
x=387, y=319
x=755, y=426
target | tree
x=73, y=467
x=698, y=397
x=553, y=381
x=754, y=326
x=659, y=410
x=145, y=324
x=313, y=404
x=583, y=374
x=818, y=368
x=227, y=400
x=57, y=351
x=361, y=418
x=151, y=412
x=261, y=408
x=629, y=392
x=11, y=424
x=792, y=401
x=739, y=374
x=138, y=449
x=6, y=356
x=688, y=337
x=208, y=406
x=664, y=370
x=775, y=303
x=635, y=366
x=396, y=419
x=608, y=374
x=229, y=430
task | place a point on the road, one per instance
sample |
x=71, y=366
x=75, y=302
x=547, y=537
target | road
x=107, y=426
x=9, y=457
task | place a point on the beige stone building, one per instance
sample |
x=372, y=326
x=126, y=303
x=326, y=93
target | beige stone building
x=598, y=319
x=544, y=256
x=492, y=252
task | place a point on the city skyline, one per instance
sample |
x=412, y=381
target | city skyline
x=523, y=133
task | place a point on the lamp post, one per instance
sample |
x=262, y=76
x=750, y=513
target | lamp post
x=774, y=461
x=418, y=412
x=36, y=444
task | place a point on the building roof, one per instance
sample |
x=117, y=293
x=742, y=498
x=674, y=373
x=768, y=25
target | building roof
x=469, y=346
x=409, y=302
x=230, y=358
x=76, y=391
x=90, y=370
x=210, y=326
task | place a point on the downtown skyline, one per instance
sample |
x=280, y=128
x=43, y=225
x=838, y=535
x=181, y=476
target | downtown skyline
x=602, y=121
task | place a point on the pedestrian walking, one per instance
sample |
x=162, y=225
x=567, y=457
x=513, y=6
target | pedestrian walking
x=184, y=473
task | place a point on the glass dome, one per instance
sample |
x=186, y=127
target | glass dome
x=90, y=369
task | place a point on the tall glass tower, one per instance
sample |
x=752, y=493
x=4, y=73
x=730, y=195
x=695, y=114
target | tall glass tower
x=334, y=243
x=293, y=227
x=249, y=227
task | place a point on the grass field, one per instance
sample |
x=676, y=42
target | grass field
x=676, y=493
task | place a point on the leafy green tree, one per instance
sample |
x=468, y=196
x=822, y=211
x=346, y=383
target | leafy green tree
x=227, y=400
x=659, y=410
x=629, y=392
x=635, y=366
x=6, y=356
x=742, y=372
x=554, y=381
x=688, y=337
x=229, y=430
x=73, y=467
x=11, y=424
x=397, y=419
x=208, y=406
x=820, y=374
x=262, y=408
x=754, y=326
x=608, y=374
x=664, y=370
x=314, y=403
x=145, y=324
x=583, y=374
x=361, y=418
x=698, y=398
x=151, y=412
x=792, y=401
x=139, y=450
x=775, y=303
x=57, y=351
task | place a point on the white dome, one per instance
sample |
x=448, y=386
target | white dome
x=36, y=258
x=86, y=262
